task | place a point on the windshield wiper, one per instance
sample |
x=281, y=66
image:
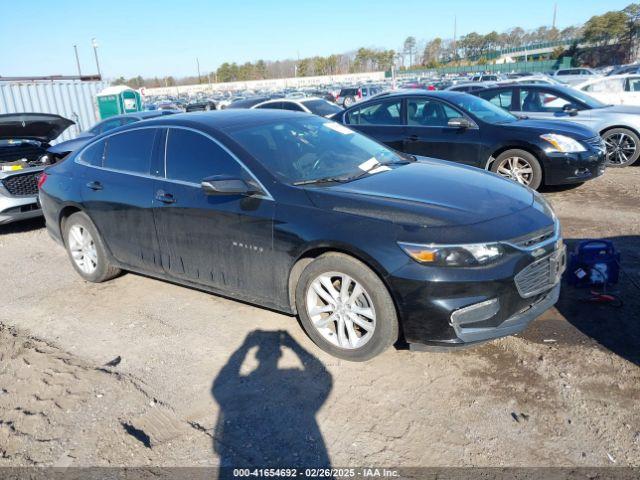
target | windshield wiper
x=320, y=180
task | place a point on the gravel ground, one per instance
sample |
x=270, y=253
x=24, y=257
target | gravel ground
x=138, y=372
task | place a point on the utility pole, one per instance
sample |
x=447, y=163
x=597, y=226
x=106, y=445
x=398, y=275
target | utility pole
x=94, y=44
x=75, y=48
x=455, y=32
x=555, y=14
x=198, y=67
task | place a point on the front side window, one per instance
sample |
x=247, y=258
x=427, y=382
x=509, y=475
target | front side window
x=130, y=151
x=310, y=147
x=545, y=101
x=633, y=84
x=382, y=113
x=192, y=157
x=429, y=113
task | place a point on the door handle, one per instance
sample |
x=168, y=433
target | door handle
x=94, y=185
x=164, y=197
x=412, y=138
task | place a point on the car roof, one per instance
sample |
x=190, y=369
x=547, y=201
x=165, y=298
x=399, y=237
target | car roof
x=218, y=120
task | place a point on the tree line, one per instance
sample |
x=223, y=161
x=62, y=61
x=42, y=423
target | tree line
x=619, y=29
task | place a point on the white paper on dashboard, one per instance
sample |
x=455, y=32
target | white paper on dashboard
x=336, y=127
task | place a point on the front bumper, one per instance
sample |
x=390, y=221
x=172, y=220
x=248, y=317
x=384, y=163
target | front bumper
x=21, y=206
x=453, y=307
x=13, y=209
x=566, y=168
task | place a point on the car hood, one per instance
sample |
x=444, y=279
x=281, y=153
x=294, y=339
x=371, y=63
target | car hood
x=427, y=193
x=574, y=130
x=37, y=126
x=627, y=109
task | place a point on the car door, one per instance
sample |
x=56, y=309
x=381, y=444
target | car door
x=429, y=135
x=222, y=241
x=381, y=120
x=117, y=195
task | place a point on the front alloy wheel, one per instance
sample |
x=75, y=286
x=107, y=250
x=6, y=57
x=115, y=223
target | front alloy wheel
x=341, y=310
x=519, y=166
x=621, y=147
x=345, y=307
x=516, y=169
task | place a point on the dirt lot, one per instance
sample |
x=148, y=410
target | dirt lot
x=201, y=381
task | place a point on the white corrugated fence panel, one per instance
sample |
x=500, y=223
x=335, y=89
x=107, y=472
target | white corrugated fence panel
x=72, y=99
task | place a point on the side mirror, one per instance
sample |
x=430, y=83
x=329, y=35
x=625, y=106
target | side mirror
x=460, y=122
x=570, y=109
x=225, y=185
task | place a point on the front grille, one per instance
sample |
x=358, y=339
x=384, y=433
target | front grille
x=596, y=142
x=25, y=184
x=541, y=275
x=529, y=240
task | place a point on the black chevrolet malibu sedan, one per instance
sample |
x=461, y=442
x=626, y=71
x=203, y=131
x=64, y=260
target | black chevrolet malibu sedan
x=303, y=215
x=462, y=128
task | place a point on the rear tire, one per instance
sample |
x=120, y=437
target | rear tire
x=623, y=147
x=519, y=166
x=364, y=317
x=86, y=249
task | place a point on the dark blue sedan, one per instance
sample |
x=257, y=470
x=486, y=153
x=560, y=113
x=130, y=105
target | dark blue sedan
x=303, y=215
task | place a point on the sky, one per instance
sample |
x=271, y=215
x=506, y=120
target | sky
x=164, y=37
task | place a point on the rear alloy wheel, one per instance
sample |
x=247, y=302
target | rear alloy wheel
x=86, y=250
x=345, y=308
x=519, y=166
x=623, y=147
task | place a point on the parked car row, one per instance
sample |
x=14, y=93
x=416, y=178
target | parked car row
x=284, y=193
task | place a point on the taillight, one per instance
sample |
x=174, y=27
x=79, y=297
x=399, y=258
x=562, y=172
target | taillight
x=359, y=93
x=41, y=179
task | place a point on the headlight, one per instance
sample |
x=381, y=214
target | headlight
x=562, y=143
x=454, y=255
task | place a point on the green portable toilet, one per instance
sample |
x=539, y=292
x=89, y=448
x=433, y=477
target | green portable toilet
x=118, y=100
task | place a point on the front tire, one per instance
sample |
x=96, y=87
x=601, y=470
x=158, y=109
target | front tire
x=623, y=147
x=519, y=166
x=86, y=249
x=345, y=308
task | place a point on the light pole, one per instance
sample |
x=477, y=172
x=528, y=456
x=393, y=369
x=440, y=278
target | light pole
x=75, y=48
x=198, y=66
x=94, y=44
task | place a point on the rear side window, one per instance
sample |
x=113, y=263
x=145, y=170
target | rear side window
x=294, y=107
x=192, y=157
x=107, y=125
x=501, y=99
x=130, y=151
x=94, y=154
x=383, y=113
x=271, y=106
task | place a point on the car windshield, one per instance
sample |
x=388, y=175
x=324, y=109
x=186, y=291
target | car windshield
x=482, y=109
x=321, y=107
x=583, y=97
x=311, y=148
